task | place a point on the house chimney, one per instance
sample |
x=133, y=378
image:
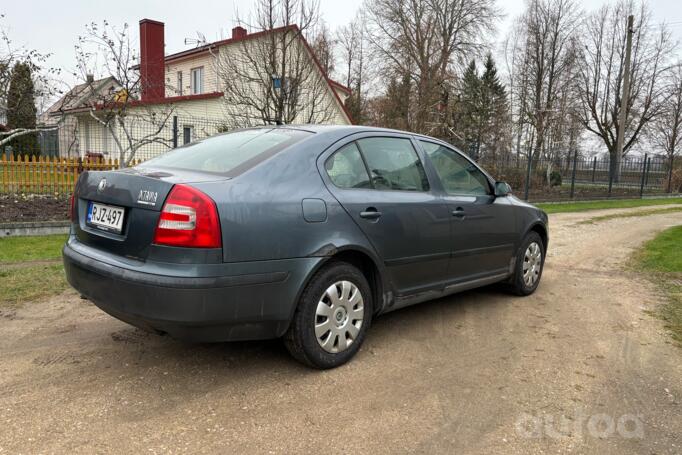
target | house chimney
x=152, y=60
x=89, y=78
x=238, y=32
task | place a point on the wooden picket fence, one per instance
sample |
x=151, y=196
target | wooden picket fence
x=47, y=175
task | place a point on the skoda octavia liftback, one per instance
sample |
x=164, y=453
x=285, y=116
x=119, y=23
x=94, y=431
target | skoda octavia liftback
x=306, y=233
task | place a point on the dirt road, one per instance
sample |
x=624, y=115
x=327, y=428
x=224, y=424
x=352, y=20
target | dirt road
x=579, y=367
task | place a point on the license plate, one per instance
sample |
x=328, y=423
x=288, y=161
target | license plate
x=106, y=217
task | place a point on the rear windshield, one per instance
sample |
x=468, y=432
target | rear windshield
x=230, y=153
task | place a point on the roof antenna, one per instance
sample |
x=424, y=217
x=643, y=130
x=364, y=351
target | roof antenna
x=200, y=40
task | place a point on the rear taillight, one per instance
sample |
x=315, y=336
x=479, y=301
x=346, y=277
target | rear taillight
x=189, y=218
x=72, y=207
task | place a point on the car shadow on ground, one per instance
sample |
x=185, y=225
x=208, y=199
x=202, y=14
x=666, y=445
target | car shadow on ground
x=120, y=362
x=147, y=349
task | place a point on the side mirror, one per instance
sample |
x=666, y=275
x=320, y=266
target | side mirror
x=502, y=189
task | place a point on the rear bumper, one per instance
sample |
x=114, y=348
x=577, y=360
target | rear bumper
x=216, y=302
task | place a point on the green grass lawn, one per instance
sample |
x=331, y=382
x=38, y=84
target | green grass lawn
x=664, y=253
x=662, y=258
x=26, y=284
x=563, y=207
x=21, y=279
x=21, y=249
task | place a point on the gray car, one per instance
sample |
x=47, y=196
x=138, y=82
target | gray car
x=306, y=233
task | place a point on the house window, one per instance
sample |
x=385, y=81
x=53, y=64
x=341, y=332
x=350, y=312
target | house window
x=197, y=82
x=286, y=84
x=179, y=86
x=187, y=134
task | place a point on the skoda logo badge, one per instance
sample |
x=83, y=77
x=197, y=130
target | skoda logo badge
x=102, y=185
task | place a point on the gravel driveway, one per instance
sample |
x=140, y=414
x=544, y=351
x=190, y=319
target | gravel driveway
x=578, y=367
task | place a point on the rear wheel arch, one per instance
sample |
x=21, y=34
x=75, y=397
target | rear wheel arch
x=366, y=264
x=358, y=258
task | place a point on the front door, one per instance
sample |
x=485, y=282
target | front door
x=381, y=183
x=483, y=227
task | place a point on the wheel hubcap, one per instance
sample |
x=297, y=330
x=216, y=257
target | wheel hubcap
x=339, y=316
x=532, y=264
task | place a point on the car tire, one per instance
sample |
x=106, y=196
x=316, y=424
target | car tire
x=339, y=325
x=529, y=266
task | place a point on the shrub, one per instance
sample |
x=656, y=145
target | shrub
x=555, y=178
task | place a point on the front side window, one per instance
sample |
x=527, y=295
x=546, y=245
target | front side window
x=393, y=164
x=197, y=81
x=346, y=169
x=458, y=175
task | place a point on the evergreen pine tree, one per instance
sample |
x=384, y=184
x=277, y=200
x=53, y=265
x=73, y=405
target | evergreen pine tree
x=21, y=109
x=481, y=112
x=396, y=104
x=467, y=115
x=494, y=109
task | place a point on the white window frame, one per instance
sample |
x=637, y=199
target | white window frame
x=193, y=80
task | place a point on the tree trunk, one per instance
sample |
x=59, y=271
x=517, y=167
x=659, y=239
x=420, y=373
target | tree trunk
x=615, y=164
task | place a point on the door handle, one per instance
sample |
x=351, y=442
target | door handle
x=370, y=214
x=458, y=212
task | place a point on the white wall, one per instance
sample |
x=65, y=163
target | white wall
x=205, y=60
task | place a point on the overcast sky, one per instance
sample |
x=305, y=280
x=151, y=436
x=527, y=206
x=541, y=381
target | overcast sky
x=53, y=26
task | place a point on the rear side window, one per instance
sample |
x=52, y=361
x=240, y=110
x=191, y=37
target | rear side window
x=346, y=169
x=230, y=153
x=393, y=164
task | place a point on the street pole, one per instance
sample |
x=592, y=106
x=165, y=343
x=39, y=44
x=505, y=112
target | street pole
x=575, y=164
x=644, y=168
x=528, y=169
x=175, y=131
x=622, y=115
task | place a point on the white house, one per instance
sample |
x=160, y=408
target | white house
x=183, y=95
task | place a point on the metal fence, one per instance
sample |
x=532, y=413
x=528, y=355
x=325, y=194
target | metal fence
x=581, y=178
x=152, y=136
x=573, y=177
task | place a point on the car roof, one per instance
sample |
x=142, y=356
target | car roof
x=338, y=131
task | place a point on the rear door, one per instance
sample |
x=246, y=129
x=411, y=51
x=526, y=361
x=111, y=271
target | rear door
x=483, y=226
x=380, y=181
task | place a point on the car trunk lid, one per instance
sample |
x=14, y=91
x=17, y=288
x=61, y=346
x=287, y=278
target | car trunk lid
x=140, y=193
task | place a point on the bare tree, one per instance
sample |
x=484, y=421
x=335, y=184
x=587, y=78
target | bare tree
x=323, y=46
x=353, y=46
x=548, y=52
x=108, y=51
x=427, y=39
x=273, y=78
x=601, y=74
x=666, y=131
